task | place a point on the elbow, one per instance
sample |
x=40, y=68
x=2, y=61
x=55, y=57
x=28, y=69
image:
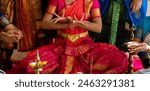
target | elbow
x=99, y=29
x=43, y=25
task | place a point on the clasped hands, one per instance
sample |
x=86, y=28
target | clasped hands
x=135, y=47
x=71, y=21
x=11, y=35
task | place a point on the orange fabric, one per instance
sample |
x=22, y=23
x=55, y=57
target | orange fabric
x=25, y=21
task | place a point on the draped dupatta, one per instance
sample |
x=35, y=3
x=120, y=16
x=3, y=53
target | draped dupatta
x=104, y=5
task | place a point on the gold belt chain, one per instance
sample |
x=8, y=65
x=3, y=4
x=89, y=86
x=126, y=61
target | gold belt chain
x=73, y=37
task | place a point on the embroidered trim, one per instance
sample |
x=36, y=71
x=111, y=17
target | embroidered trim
x=74, y=37
x=51, y=9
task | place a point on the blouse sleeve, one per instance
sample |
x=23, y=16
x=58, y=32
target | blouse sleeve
x=52, y=4
x=95, y=10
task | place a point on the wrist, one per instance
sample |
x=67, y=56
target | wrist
x=147, y=48
x=9, y=27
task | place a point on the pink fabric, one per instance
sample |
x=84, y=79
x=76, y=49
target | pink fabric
x=137, y=64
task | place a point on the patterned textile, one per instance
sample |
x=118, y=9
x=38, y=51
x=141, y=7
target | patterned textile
x=143, y=33
x=80, y=55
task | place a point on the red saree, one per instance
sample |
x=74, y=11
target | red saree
x=77, y=52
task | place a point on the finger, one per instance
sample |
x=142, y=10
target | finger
x=59, y=19
x=53, y=20
x=82, y=18
x=63, y=14
x=86, y=22
x=56, y=15
x=6, y=34
x=133, y=9
x=75, y=18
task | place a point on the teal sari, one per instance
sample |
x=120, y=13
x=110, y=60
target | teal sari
x=143, y=33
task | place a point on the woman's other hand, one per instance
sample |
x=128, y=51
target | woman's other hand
x=135, y=47
x=135, y=5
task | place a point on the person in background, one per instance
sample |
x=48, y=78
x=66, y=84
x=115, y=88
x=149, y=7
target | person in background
x=118, y=17
x=8, y=34
x=141, y=43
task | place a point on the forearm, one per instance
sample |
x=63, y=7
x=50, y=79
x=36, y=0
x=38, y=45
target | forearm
x=147, y=48
x=94, y=27
x=10, y=27
x=48, y=25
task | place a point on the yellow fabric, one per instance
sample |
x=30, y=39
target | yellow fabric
x=95, y=12
x=7, y=7
x=69, y=64
x=74, y=37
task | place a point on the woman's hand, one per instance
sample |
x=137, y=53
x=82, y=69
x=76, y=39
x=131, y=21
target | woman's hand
x=135, y=5
x=135, y=47
x=11, y=36
x=79, y=23
x=62, y=19
x=8, y=38
x=15, y=33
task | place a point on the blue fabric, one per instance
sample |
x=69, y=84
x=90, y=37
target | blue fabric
x=104, y=6
x=143, y=28
x=137, y=16
x=1, y=14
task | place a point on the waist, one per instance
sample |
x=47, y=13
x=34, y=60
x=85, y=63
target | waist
x=73, y=37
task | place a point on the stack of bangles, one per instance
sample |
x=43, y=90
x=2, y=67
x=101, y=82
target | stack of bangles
x=3, y=21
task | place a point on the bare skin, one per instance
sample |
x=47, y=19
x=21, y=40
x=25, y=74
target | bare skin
x=135, y=5
x=62, y=22
x=11, y=34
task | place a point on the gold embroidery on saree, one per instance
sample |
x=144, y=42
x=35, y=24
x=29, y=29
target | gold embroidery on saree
x=69, y=64
x=88, y=5
x=95, y=12
x=73, y=37
x=51, y=9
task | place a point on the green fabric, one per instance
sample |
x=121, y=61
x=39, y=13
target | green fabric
x=116, y=6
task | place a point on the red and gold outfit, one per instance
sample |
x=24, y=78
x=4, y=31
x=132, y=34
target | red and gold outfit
x=74, y=51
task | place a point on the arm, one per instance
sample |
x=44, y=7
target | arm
x=95, y=26
x=47, y=23
x=10, y=33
